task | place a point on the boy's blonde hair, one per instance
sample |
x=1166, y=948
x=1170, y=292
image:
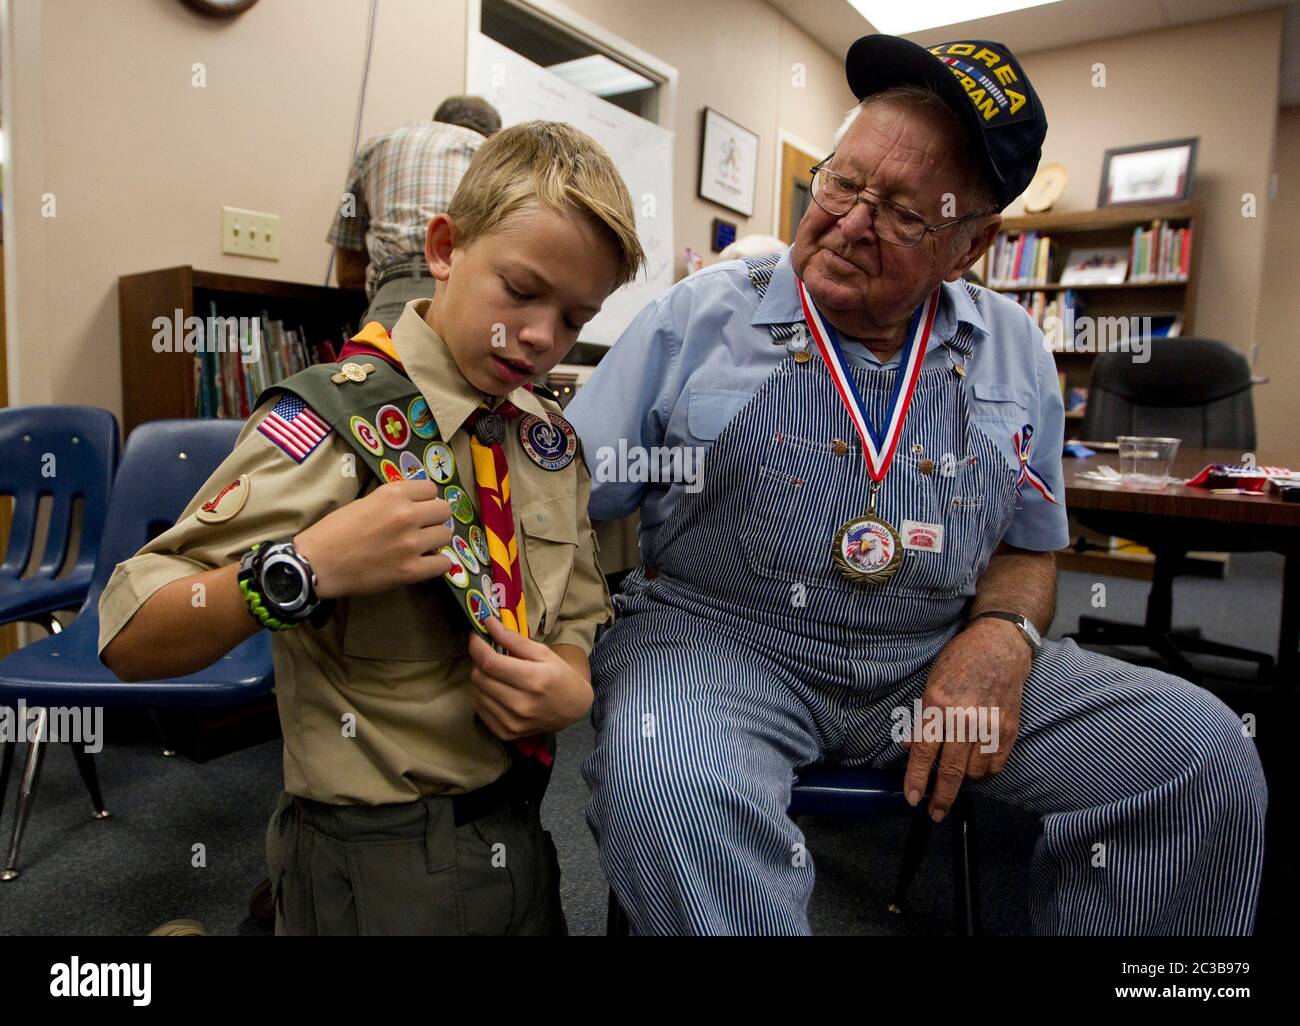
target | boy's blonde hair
x=555, y=165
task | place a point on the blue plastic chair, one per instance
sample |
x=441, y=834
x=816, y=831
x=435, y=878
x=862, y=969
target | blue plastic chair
x=68, y=454
x=63, y=455
x=826, y=789
x=166, y=462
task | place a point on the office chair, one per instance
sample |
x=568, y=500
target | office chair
x=825, y=789
x=59, y=458
x=165, y=463
x=1197, y=390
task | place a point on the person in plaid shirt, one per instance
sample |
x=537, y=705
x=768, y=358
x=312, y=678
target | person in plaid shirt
x=398, y=181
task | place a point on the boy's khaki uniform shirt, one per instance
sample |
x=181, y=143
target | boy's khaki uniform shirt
x=391, y=669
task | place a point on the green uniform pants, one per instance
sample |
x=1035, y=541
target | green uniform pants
x=407, y=869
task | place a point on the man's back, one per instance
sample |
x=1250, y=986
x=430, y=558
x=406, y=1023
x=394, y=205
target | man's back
x=400, y=179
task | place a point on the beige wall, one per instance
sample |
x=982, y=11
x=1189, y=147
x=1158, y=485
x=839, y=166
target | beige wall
x=738, y=57
x=1217, y=80
x=140, y=162
x=103, y=116
x=1277, y=404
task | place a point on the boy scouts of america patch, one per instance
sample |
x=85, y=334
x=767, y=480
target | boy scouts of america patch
x=549, y=443
x=227, y=502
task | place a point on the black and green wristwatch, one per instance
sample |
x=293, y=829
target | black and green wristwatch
x=279, y=586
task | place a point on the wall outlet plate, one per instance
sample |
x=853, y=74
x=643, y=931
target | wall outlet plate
x=250, y=233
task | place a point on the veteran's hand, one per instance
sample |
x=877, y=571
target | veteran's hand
x=984, y=667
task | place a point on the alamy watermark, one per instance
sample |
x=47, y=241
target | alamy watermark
x=956, y=724
x=1086, y=334
x=82, y=725
x=181, y=334
x=658, y=464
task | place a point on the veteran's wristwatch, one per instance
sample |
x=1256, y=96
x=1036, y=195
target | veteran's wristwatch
x=279, y=586
x=1027, y=629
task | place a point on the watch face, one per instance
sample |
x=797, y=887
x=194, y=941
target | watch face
x=283, y=584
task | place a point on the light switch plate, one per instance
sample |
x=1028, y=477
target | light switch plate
x=250, y=233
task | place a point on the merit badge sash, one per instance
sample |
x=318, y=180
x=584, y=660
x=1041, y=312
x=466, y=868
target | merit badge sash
x=868, y=549
x=398, y=440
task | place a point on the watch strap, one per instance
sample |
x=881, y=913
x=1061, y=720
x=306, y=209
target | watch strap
x=266, y=612
x=1019, y=619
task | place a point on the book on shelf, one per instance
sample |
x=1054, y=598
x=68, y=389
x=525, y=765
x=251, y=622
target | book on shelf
x=1055, y=315
x=1160, y=252
x=243, y=356
x=1021, y=259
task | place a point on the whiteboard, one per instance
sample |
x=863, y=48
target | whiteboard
x=521, y=91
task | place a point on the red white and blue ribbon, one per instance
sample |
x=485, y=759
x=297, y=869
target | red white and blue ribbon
x=1028, y=473
x=877, y=445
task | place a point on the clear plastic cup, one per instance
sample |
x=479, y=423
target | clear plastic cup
x=1145, y=463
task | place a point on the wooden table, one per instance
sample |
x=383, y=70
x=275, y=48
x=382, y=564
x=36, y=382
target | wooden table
x=1258, y=523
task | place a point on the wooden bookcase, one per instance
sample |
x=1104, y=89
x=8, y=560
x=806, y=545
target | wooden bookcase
x=1094, y=229
x=156, y=386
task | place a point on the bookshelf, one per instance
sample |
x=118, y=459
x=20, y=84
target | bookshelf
x=159, y=385
x=1110, y=227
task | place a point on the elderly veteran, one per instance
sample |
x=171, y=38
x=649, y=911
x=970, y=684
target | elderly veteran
x=881, y=496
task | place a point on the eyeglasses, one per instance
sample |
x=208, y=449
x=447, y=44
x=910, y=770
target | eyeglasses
x=899, y=226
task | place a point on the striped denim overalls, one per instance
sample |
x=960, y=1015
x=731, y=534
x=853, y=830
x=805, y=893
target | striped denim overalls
x=739, y=653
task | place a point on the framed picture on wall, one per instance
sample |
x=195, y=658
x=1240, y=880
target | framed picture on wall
x=1151, y=173
x=728, y=163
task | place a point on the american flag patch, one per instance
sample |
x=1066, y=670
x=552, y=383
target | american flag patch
x=294, y=427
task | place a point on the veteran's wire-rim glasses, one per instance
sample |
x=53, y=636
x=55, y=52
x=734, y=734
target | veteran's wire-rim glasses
x=899, y=226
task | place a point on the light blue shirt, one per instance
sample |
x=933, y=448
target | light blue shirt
x=693, y=357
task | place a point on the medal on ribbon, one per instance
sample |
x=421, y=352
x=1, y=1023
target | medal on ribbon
x=1027, y=473
x=868, y=549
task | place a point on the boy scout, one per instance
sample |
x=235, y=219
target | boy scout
x=410, y=770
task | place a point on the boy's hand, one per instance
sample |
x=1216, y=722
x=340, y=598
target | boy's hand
x=530, y=689
x=387, y=539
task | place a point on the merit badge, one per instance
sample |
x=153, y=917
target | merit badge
x=365, y=434
x=922, y=536
x=412, y=468
x=393, y=427
x=422, y=422
x=485, y=582
x=465, y=553
x=549, y=443
x=461, y=508
x=226, y=503
x=479, y=540
x=457, y=574
x=439, y=461
x=868, y=550
x=480, y=607
x=389, y=469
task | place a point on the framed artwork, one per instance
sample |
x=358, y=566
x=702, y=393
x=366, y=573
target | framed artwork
x=1151, y=173
x=728, y=163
